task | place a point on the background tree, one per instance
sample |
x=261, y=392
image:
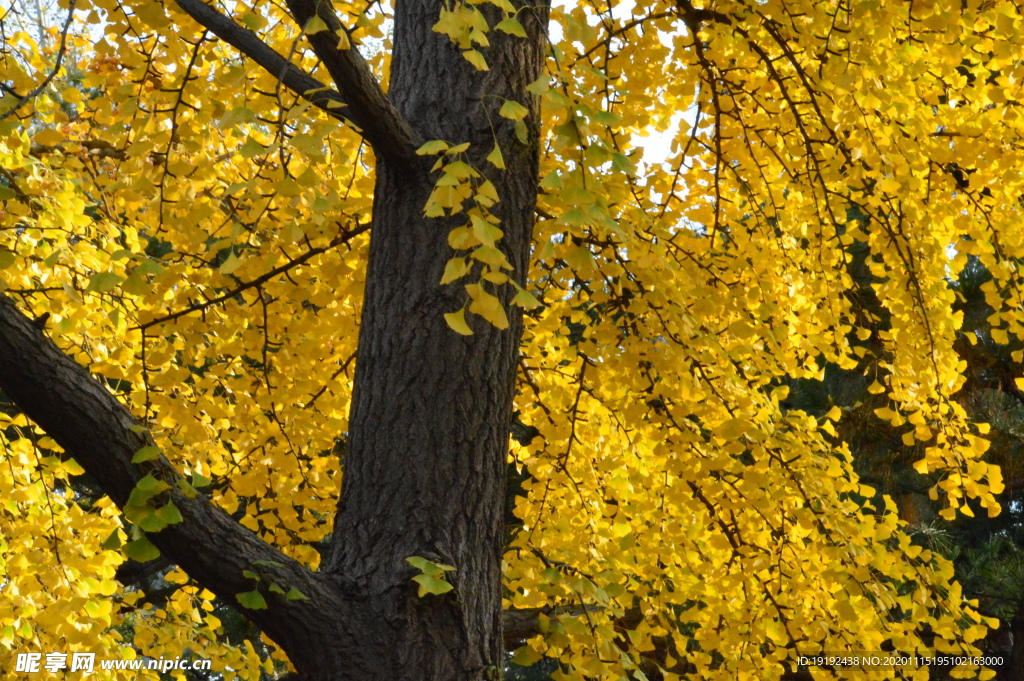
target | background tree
x=296, y=292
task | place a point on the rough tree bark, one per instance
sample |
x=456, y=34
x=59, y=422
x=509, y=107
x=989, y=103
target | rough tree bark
x=430, y=420
x=428, y=435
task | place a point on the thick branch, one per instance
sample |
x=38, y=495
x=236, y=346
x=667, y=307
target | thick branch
x=370, y=107
x=131, y=573
x=694, y=17
x=362, y=100
x=93, y=427
x=522, y=624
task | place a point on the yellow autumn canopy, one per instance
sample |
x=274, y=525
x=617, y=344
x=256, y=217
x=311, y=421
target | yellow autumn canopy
x=198, y=235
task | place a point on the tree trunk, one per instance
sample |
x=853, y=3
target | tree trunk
x=424, y=469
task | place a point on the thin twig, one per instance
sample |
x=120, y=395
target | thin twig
x=56, y=67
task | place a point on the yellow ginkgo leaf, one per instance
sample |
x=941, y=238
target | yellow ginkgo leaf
x=48, y=137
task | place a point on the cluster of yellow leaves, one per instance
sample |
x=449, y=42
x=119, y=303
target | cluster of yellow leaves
x=467, y=27
x=459, y=182
x=60, y=553
x=183, y=220
x=680, y=297
x=57, y=581
x=159, y=175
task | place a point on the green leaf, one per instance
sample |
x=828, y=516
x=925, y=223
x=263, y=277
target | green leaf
x=277, y=588
x=230, y=264
x=513, y=110
x=6, y=259
x=251, y=600
x=552, y=181
x=521, y=134
x=150, y=266
x=249, y=574
x=147, y=519
x=199, y=480
x=495, y=158
x=419, y=562
x=135, y=510
x=552, y=575
x=622, y=164
x=526, y=300
x=431, y=585
x=169, y=514
x=607, y=118
x=143, y=515
x=512, y=26
x=144, y=490
x=253, y=21
x=150, y=484
x=309, y=145
x=432, y=148
x=428, y=567
x=581, y=260
x=237, y=115
x=137, y=429
x=484, y=231
x=147, y=453
x=251, y=148
x=138, y=499
x=525, y=656
x=101, y=282
x=188, y=490
x=314, y=26
x=141, y=550
x=296, y=595
x=540, y=86
x=113, y=541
